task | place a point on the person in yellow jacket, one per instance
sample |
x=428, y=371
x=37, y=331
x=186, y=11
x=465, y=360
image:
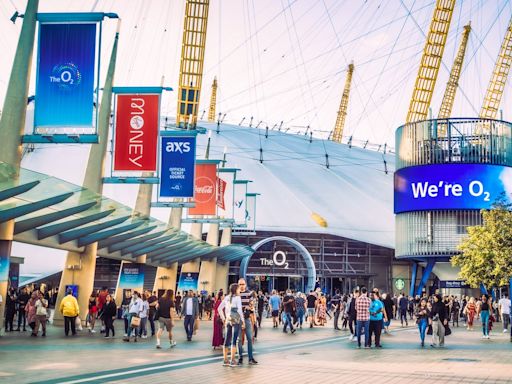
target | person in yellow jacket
x=70, y=310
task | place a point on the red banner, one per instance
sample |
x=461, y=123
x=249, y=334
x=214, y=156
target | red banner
x=221, y=189
x=136, y=136
x=205, y=188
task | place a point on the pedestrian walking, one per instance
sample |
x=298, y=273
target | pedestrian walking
x=108, y=315
x=275, y=304
x=191, y=312
x=246, y=332
x=133, y=317
x=218, y=322
x=70, y=310
x=422, y=318
x=439, y=320
x=164, y=316
x=41, y=314
x=485, y=313
x=362, y=305
x=231, y=313
x=377, y=317
x=504, y=311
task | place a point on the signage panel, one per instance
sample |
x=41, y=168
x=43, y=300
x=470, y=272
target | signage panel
x=65, y=75
x=205, y=190
x=132, y=276
x=188, y=281
x=221, y=191
x=225, y=188
x=451, y=186
x=177, y=166
x=240, y=203
x=453, y=284
x=136, y=132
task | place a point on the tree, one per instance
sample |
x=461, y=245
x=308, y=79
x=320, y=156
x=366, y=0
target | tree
x=487, y=250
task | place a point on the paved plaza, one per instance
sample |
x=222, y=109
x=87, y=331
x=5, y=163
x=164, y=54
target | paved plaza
x=309, y=356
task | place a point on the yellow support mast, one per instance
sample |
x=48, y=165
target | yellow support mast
x=192, y=60
x=337, y=133
x=445, y=111
x=496, y=86
x=213, y=102
x=430, y=61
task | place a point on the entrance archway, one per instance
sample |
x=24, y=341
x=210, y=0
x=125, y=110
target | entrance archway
x=306, y=256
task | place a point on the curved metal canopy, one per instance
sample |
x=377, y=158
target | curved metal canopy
x=53, y=213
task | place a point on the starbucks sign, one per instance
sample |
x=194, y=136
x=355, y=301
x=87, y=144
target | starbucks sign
x=399, y=284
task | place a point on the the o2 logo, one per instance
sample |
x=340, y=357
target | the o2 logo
x=66, y=76
x=278, y=260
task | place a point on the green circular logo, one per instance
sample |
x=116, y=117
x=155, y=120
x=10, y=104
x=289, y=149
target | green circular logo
x=399, y=284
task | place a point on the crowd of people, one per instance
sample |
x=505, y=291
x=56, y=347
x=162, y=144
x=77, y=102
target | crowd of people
x=238, y=315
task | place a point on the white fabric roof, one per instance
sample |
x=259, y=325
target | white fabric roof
x=354, y=196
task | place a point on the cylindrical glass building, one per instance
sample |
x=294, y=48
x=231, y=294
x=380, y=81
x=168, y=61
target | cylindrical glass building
x=447, y=170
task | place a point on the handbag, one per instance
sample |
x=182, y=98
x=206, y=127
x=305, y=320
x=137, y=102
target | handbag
x=429, y=329
x=234, y=317
x=135, y=322
x=447, y=330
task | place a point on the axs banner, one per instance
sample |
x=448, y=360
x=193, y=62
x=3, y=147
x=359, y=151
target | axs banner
x=177, y=166
x=136, y=132
x=205, y=190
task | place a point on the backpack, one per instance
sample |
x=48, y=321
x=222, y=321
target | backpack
x=234, y=316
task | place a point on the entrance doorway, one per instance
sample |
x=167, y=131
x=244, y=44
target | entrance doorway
x=280, y=283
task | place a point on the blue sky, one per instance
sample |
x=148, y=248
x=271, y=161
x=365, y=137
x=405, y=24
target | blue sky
x=285, y=60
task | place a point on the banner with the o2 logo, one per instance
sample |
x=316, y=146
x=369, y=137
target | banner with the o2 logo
x=177, y=166
x=65, y=75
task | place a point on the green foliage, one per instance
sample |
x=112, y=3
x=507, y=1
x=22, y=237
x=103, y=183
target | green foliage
x=487, y=250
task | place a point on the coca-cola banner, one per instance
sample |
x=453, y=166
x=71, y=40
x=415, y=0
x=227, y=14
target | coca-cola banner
x=205, y=190
x=136, y=132
x=221, y=190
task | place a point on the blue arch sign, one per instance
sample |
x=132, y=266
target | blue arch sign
x=306, y=256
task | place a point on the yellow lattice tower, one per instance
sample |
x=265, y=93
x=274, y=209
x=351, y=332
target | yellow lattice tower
x=496, y=86
x=430, y=61
x=337, y=133
x=445, y=111
x=213, y=102
x=192, y=60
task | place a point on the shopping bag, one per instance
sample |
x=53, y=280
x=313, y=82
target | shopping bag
x=78, y=324
x=135, y=322
x=196, y=326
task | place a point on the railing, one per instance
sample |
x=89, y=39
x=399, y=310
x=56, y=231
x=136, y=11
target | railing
x=457, y=140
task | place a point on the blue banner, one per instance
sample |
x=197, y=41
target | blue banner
x=188, y=281
x=65, y=75
x=132, y=276
x=73, y=288
x=177, y=166
x=451, y=186
x=4, y=268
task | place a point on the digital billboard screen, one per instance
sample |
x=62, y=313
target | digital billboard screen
x=451, y=186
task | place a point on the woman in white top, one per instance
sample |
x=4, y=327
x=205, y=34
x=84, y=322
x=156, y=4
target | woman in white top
x=230, y=311
x=143, y=314
x=134, y=310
